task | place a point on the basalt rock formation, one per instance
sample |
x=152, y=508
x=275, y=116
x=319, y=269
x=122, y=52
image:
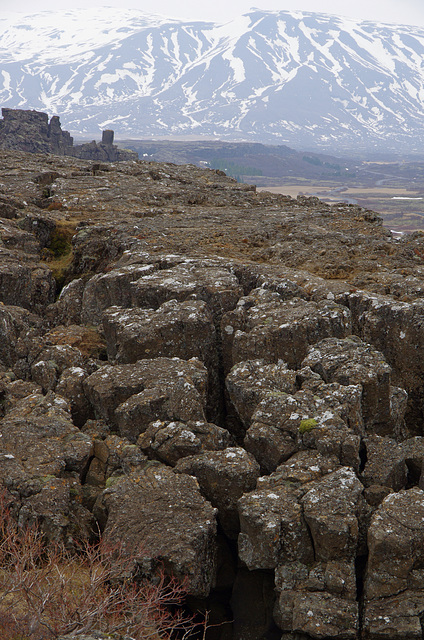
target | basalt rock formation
x=232, y=380
x=31, y=131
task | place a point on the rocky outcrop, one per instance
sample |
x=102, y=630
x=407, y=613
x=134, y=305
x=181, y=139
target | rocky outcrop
x=32, y=131
x=207, y=374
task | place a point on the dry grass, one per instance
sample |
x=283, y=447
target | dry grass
x=46, y=591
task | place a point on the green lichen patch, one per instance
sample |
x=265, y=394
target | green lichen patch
x=307, y=425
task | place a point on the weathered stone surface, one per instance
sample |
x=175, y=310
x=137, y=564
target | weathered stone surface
x=25, y=283
x=132, y=396
x=144, y=505
x=331, y=509
x=395, y=541
x=216, y=286
x=249, y=382
x=39, y=432
x=385, y=463
x=394, y=327
x=170, y=441
x=265, y=326
x=282, y=417
x=300, y=468
x=223, y=477
x=273, y=530
x=394, y=595
x=350, y=361
x=15, y=324
x=318, y=615
x=183, y=330
x=70, y=386
x=110, y=289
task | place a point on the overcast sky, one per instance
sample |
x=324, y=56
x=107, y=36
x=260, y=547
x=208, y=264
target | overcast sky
x=398, y=11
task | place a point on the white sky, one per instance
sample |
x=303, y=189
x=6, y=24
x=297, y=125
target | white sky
x=397, y=11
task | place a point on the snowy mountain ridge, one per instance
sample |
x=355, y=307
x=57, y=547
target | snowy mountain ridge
x=303, y=79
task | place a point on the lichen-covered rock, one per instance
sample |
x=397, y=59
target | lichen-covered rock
x=300, y=468
x=223, y=477
x=132, y=396
x=214, y=285
x=385, y=463
x=332, y=509
x=394, y=594
x=272, y=528
x=170, y=441
x=249, y=382
x=110, y=289
x=39, y=433
x=288, y=410
x=25, y=282
x=70, y=386
x=144, y=505
x=176, y=329
x=394, y=327
x=264, y=326
x=351, y=361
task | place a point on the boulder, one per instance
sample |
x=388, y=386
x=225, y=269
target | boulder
x=394, y=328
x=265, y=326
x=144, y=504
x=332, y=509
x=216, y=286
x=132, y=396
x=385, y=463
x=110, y=289
x=170, y=441
x=223, y=477
x=394, y=594
x=176, y=329
x=351, y=361
x=272, y=528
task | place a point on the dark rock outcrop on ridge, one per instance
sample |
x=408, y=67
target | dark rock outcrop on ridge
x=231, y=380
x=31, y=131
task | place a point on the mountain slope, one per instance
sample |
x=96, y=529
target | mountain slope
x=282, y=77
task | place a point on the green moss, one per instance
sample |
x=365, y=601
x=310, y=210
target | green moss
x=308, y=425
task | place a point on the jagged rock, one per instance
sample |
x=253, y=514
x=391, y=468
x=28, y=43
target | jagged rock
x=394, y=597
x=249, y=382
x=393, y=327
x=132, y=396
x=144, y=505
x=272, y=528
x=385, y=465
x=67, y=309
x=223, y=477
x=170, y=441
x=24, y=282
x=31, y=131
x=52, y=362
x=301, y=468
x=38, y=432
x=264, y=326
x=284, y=418
x=214, y=285
x=332, y=508
x=15, y=323
x=183, y=330
x=70, y=386
x=350, y=361
x=110, y=289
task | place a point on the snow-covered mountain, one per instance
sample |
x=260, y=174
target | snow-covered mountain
x=303, y=79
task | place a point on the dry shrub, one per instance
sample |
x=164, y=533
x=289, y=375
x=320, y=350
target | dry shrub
x=47, y=591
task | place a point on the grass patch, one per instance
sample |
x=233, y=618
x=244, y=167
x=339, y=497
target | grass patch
x=58, y=253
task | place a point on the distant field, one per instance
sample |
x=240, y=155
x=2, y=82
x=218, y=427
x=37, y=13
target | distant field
x=398, y=215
